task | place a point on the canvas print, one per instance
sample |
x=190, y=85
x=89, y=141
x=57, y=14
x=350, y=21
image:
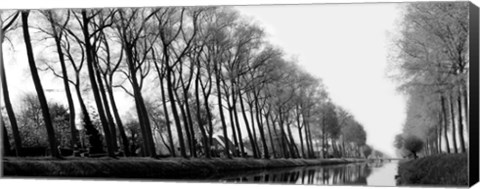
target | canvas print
x=369, y=94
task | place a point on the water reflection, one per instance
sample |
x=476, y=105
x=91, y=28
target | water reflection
x=349, y=174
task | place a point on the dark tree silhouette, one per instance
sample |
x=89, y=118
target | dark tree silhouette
x=89, y=50
x=57, y=35
x=413, y=144
x=5, y=140
x=5, y=92
x=38, y=87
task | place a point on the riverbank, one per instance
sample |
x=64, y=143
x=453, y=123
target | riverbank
x=444, y=169
x=170, y=168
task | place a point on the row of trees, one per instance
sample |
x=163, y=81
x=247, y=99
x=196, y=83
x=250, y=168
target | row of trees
x=434, y=67
x=207, y=67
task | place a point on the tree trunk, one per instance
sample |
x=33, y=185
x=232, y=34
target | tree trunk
x=427, y=147
x=272, y=144
x=309, y=136
x=289, y=143
x=143, y=118
x=118, y=120
x=283, y=138
x=189, y=118
x=210, y=122
x=293, y=146
x=206, y=147
x=466, y=107
x=454, y=133
x=274, y=128
x=206, y=93
x=6, y=97
x=439, y=138
x=71, y=107
x=176, y=118
x=92, y=133
x=38, y=87
x=260, y=127
x=220, y=108
x=111, y=124
x=191, y=127
x=307, y=142
x=185, y=124
x=250, y=137
x=167, y=117
x=300, y=134
x=237, y=122
x=460, y=124
x=333, y=144
x=89, y=51
x=146, y=120
x=169, y=148
x=234, y=130
x=445, y=123
x=6, y=142
x=145, y=145
x=165, y=110
x=324, y=135
x=252, y=120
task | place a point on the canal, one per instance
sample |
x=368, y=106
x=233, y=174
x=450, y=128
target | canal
x=371, y=174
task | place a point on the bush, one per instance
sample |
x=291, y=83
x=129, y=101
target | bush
x=444, y=169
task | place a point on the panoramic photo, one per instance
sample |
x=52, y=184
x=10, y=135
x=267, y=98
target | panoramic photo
x=371, y=94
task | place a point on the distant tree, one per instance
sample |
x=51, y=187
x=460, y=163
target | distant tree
x=344, y=118
x=355, y=136
x=32, y=124
x=158, y=118
x=367, y=151
x=135, y=138
x=398, y=143
x=330, y=128
x=378, y=154
x=413, y=144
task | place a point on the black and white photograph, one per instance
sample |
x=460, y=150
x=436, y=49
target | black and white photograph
x=348, y=94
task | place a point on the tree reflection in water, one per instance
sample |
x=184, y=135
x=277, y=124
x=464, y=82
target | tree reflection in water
x=352, y=174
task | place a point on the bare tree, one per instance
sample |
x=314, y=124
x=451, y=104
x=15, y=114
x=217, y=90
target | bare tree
x=85, y=22
x=55, y=31
x=132, y=27
x=38, y=87
x=10, y=20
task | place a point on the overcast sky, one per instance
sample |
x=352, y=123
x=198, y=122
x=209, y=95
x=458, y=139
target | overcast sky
x=347, y=46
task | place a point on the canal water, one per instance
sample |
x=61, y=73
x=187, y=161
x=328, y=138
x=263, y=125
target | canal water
x=371, y=174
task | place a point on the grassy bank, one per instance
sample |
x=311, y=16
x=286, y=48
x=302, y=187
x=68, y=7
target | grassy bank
x=444, y=169
x=171, y=168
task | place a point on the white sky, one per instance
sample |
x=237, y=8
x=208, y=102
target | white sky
x=347, y=46
x=344, y=44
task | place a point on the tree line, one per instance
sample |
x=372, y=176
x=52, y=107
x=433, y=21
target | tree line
x=433, y=70
x=189, y=71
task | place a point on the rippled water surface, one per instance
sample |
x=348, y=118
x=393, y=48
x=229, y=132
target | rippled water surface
x=372, y=174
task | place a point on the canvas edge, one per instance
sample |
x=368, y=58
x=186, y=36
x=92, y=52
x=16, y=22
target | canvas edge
x=474, y=95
